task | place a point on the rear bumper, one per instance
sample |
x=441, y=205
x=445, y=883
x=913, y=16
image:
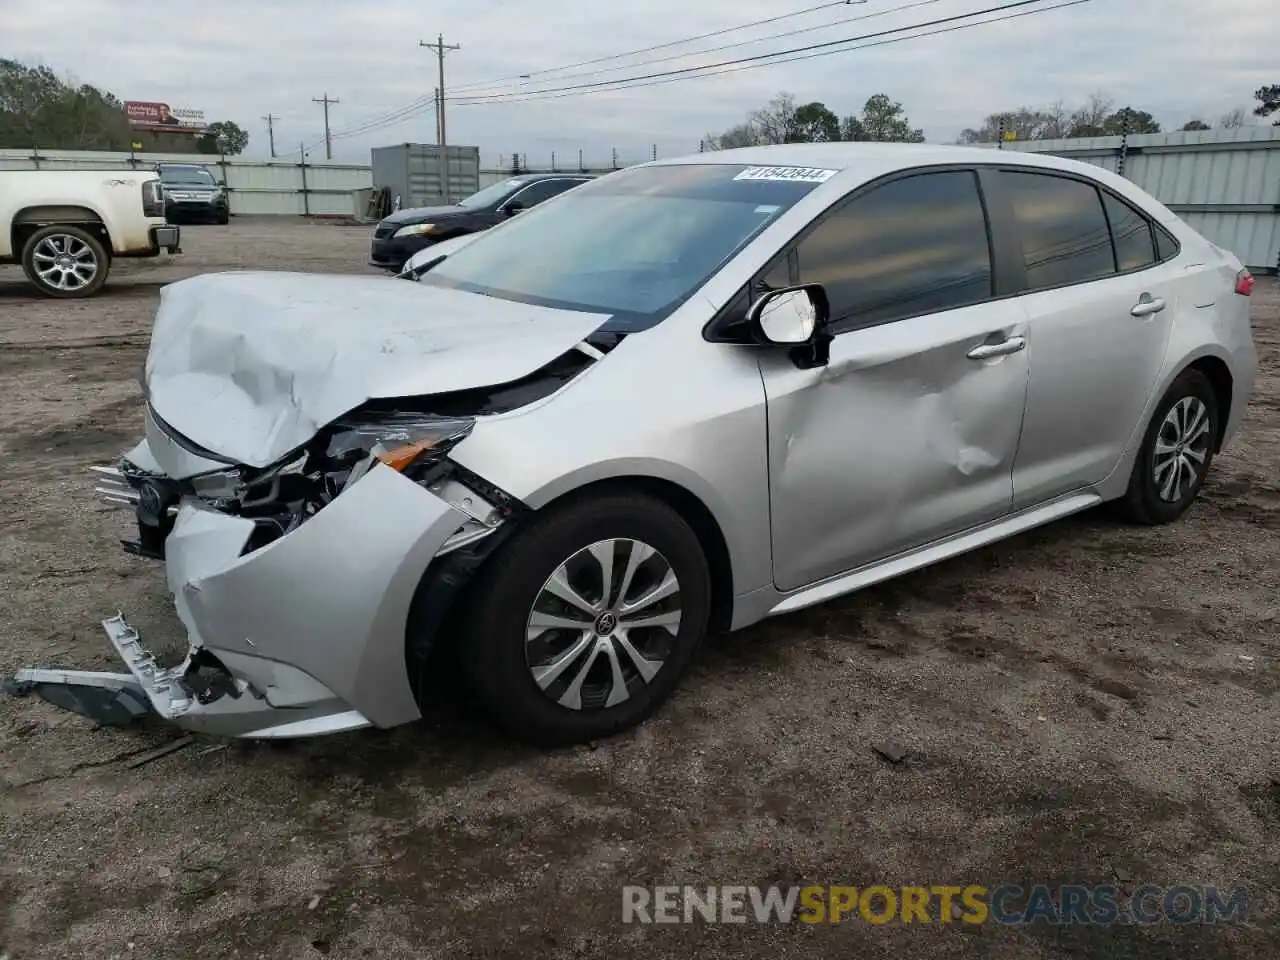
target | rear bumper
x=167, y=238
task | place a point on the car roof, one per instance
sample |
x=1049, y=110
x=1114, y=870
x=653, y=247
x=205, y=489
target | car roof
x=534, y=177
x=857, y=163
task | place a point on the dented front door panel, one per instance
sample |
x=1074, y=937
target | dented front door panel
x=907, y=435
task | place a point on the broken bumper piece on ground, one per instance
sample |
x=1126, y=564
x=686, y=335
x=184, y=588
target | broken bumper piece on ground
x=197, y=694
x=109, y=699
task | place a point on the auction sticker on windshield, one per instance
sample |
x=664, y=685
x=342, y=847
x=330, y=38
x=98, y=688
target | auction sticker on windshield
x=798, y=174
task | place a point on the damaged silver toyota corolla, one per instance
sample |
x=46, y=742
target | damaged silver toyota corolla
x=681, y=398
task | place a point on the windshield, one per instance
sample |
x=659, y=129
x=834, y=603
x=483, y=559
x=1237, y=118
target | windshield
x=189, y=176
x=634, y=244
x=490, y=194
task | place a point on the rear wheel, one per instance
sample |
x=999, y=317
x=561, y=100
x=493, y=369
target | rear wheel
x=65, y=261
x=585, y=621
x=1176, y=452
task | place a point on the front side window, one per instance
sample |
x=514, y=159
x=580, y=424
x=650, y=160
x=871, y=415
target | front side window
x=1131, y=234
x=1064, y=232
x=634, y=244
x=912, y=246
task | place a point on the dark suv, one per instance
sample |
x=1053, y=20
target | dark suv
x=405, y=232
x=192, y=193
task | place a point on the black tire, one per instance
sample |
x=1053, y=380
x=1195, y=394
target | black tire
x=40, y=244
x=224, y=217
x=492, y=648
x=1143, y=502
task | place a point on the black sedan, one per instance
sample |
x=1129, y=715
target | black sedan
x=405, y=232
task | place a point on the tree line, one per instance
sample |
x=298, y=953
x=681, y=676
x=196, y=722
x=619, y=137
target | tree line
x=782, y=120
x=40, y=109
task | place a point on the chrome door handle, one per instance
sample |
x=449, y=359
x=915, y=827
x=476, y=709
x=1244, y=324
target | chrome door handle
x=1147, y=306
x=988, y=350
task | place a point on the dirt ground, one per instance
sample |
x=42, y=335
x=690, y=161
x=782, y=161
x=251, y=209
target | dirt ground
x=1088, y=703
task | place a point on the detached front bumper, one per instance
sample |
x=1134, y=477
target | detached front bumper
x=305, y=635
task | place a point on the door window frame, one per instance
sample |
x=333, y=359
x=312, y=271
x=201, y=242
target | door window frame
x=1009, y=275
x=538, y=183
x=1011, y=234
x=720, y=328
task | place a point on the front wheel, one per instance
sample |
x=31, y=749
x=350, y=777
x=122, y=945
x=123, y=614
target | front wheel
x=585, y=621
x=64, y=261
x=1176, y=452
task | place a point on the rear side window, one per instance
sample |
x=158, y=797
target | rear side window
x=1064, y=233
x=912, y=246
x=1131, y=234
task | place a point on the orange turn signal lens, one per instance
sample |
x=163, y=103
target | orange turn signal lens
x=397, y=458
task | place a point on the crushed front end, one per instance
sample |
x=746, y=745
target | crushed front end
x=295, y=581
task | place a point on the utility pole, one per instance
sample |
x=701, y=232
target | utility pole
x=440, y=47
x=271, y=134
x=328, y=143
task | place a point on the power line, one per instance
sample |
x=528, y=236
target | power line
x=714, y=69
x=420, y=104
x=759, y=56
x=661, y=46
x=728, y=46
x=809, y=56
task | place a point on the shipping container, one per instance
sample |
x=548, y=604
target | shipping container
x=426, y=175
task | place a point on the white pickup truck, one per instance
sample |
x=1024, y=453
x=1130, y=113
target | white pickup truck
x=66, y=226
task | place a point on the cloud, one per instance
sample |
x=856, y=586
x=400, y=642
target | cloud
x=242, y=59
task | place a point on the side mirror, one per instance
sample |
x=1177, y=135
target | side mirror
x=512, y=207
x=794, y=317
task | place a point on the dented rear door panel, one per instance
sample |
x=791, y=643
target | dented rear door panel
x=901, y=439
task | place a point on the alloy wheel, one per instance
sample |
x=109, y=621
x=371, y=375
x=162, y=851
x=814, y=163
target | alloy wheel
x=603, y=624
x=1181, y=449
x=64, y=262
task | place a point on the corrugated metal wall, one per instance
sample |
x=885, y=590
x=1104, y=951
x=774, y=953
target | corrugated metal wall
x=1224, y=183
x=270, y=187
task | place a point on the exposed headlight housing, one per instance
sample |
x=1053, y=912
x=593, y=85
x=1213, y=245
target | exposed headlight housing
x=405, y=442
x=415, y=230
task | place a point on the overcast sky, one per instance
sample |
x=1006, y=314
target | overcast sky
x=242, y=59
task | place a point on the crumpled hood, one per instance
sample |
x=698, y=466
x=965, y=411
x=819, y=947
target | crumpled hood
x=250, y=365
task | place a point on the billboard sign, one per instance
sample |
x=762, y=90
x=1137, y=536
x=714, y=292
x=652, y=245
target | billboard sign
x=149, y=115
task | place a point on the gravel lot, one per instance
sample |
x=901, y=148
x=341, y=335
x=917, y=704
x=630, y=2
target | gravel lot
x=1087, y=702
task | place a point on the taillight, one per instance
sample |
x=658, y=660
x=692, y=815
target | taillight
x=1244, y=283
x=152, y=199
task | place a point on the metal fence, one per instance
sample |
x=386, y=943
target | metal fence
x=1224, y=183
x=254, y=187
